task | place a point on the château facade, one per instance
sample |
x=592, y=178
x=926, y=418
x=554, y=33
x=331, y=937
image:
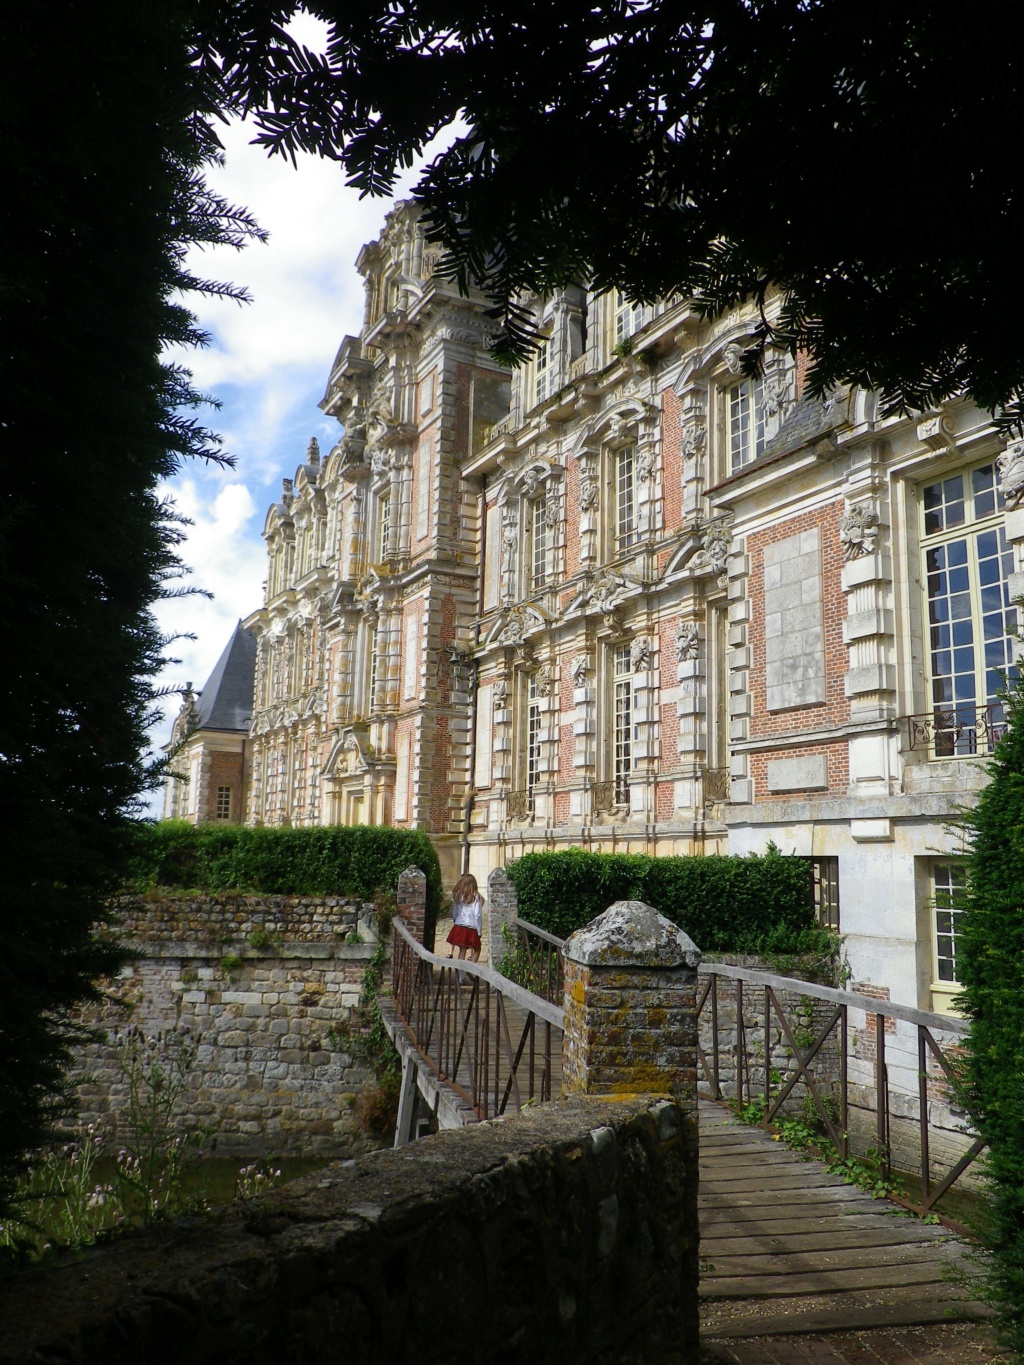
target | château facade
x=629, y=598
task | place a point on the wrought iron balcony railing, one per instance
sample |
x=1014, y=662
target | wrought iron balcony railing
x=957, y=731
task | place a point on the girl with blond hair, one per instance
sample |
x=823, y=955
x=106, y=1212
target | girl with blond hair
x=467, y=919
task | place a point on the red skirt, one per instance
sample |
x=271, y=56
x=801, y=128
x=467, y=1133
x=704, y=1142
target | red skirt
x=462, y=936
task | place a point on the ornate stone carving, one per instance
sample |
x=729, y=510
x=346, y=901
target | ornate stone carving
x=545, y=680
x=640, y=653
x=733, y=357
x=1011, y=472
x=509, y=551
x=588, y=493
x=553, y=513
x=369, y=595
x=775, y=396
x=858, y=530
x=580, y=667
x=687, y=641
x=713, y=555
x=500, y=694
x=646, y=458
x=380, y=460
x=694, y=438
x=516, y=626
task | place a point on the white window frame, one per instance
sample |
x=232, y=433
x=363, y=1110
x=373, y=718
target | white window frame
x=383, y=524
x=628, y=318
x=956, y=556
x=222, y=804
x=624, y=490
x=622, y=711
x=537, y=567
x=542, y=370
x=744, y=422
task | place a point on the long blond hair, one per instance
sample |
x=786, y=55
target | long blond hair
x=465, y=889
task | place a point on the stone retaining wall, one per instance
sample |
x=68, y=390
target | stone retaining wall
x=564, y=1233
x=267, y=985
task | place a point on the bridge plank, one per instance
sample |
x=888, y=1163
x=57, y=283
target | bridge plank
x=789, y=1247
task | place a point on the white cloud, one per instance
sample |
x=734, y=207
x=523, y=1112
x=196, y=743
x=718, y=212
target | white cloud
x=268, y=366
x=226, y=557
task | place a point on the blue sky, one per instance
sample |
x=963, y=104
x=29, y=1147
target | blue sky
x=267, y=365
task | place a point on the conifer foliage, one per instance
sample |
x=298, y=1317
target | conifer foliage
x=990, y=964
x=105, y=136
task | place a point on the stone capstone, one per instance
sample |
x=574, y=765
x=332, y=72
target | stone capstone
x=631, y=934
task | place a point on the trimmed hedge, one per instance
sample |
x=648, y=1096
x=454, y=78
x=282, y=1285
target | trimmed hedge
x=322, y=860
x=760, y=903
x=990, y=967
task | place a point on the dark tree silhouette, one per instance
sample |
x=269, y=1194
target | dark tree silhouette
x=105, y=122
x=858, y=158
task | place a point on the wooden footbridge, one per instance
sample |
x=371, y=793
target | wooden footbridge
x=787, y=1247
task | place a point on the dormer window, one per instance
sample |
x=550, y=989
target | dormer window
x=384, y=526
x=543, y=371
x=744, y=416
x=629, y=317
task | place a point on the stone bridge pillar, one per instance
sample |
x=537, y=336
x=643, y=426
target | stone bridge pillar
x=630, y=1007
x=501, y=908
x=412, y=902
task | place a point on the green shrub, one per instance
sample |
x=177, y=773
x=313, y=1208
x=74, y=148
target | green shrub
x=324, y=860
x=760, y=903
x=990, y=965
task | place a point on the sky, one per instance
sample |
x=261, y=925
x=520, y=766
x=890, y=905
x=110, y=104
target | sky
x=267, y=365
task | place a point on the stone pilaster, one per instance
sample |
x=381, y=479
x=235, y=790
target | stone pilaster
x=630, y=1006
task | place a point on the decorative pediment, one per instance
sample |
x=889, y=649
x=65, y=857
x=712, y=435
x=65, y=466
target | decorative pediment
x=603, y=594
x=514, y=626
x=350, y=754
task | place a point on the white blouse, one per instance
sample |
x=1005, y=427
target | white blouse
x=469, y=914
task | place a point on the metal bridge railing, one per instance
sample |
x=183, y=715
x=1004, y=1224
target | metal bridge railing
x=536, y=960
x=494, y=1042
x=757, y=1043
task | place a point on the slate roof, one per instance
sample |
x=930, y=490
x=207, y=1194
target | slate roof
x=225, y=703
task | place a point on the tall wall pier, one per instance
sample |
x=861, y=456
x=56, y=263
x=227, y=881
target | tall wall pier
x=563, y=1233
x=266, y=985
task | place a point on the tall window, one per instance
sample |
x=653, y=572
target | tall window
x=744, y=413
x=538, y=543
x=222, y=810
x=948, y=883
x=622, y=684
x=625, y=497
x=629, y=317
x=384, y=525
x=971, y=623
x=374, y=670
x=532, y=738
x=543, y=371
x=825, y=891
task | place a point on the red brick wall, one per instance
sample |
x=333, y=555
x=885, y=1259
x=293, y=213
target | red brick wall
x=665, y=800
x=838, y=769
x=561, y=808
x=669, y=715
x=835, y=710
x=572, y=517
x=566, y=738
x=671, y=462
x=225, y=770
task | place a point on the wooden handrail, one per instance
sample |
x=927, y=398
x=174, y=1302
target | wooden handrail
x=551, y=1014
